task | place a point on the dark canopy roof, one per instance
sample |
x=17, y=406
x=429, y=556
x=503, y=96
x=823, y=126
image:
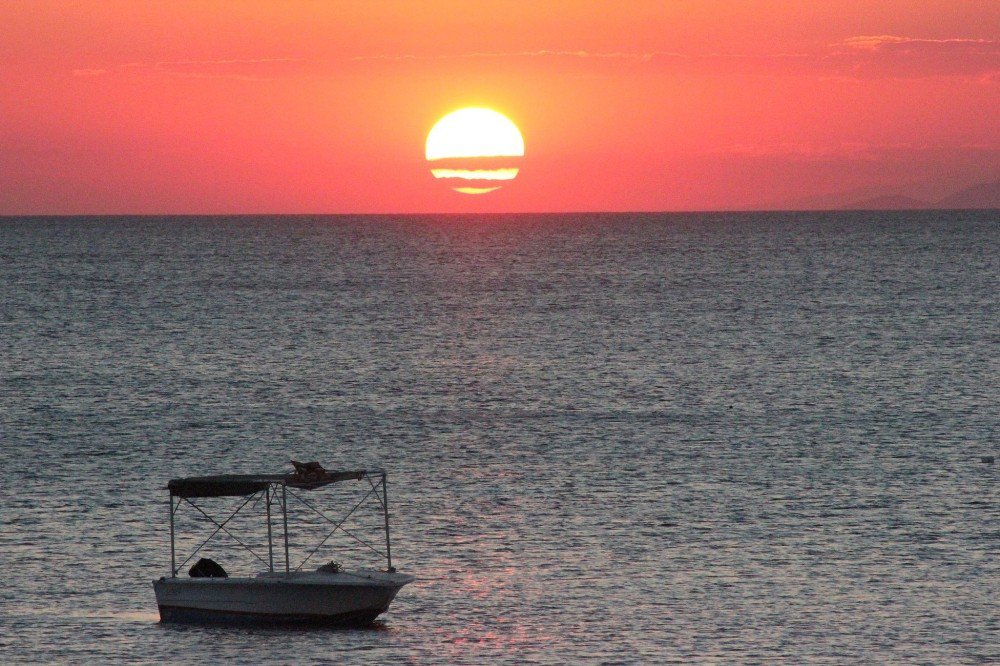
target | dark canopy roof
x=226, y=485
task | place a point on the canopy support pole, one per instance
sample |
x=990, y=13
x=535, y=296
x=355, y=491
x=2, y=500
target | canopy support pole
x=284, y=515
x=385, y=512
x=173, y=552
x=270, y=542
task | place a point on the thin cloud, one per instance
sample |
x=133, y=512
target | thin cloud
x=875, y=42
x=860, y=57
x=238, y=68
x=852, y=150
x=544, y=53
x=633, y=56
x=894, y=56
x=229, y=68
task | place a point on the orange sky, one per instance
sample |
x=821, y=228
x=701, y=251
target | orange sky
x=125, y=106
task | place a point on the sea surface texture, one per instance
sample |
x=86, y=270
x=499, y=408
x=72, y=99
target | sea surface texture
x=703, y=438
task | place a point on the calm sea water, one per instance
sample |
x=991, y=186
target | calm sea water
x=730, y=438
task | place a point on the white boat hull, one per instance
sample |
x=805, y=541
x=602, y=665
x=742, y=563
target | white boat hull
x=311, y=598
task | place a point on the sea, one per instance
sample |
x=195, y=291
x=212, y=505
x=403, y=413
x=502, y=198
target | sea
x=704, y=438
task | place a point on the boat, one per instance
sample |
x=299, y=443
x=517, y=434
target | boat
x=326, y=596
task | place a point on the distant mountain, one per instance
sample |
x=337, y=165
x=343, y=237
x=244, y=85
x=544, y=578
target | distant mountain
x=984, y=195
x=890, y=202
x=830, y=200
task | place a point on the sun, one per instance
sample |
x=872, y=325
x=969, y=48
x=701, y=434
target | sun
x=474, y=150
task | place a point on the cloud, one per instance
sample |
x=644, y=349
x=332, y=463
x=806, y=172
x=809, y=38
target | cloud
x=225, y=68
x=861, y=57
x=875, y=42
x=610, y=63
x=230, y=68
x=544, y=53
x=855, y=150
x=631, y=56
x=894, y=56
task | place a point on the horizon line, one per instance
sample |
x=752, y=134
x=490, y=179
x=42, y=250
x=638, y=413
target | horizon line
x=503, y=213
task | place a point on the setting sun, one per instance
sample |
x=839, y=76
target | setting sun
x=474, y=150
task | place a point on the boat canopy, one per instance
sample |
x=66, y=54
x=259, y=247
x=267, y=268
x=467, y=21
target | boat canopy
x=231, y=485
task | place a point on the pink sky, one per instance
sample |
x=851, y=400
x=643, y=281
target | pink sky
x=270, y=107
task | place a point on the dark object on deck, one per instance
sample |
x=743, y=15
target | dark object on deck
x=309, y=471
x=206, y=568
x=987, y=459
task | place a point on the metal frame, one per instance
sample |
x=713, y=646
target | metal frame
x=377, y=481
